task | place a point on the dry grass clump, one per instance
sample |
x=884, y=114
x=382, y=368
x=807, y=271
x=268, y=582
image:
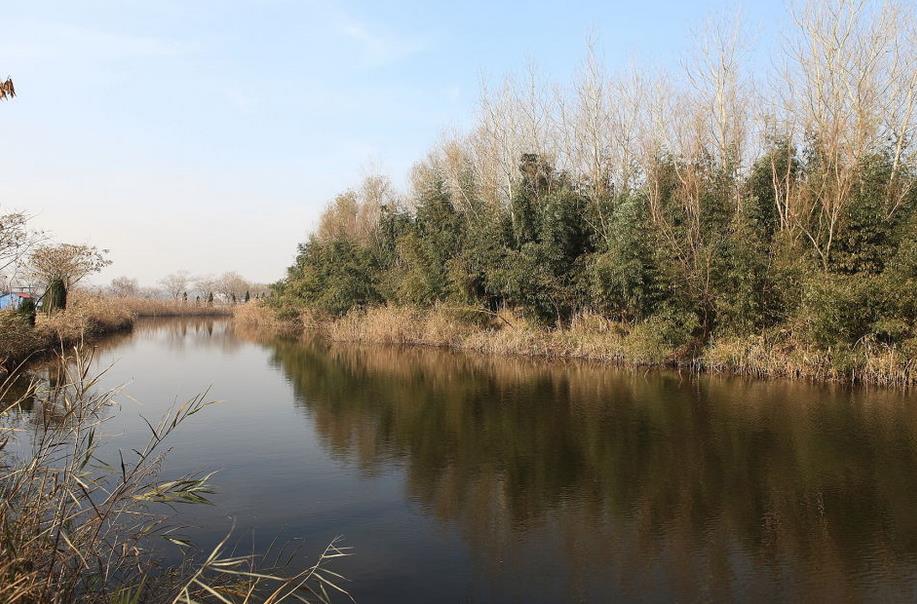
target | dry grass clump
x=256, y=318
x=779, y=355
x=17, y=338
x=149, y=307
x=590, y=336
x=443, y=326
x=74, y=527
x=87, y=316
x=889, y=365
x=506, y=332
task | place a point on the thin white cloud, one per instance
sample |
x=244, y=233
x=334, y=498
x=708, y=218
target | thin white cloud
x=44, y=40
x=380, y=47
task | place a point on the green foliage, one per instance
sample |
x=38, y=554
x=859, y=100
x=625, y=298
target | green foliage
x=26, y=311
x=662, y=335
x=56, y=296
x=420, y=273
x=332, y=277
x=842, y=309
x=542, y=270
x=701, y=254
x=866, y=235
x=624, y=281
x=744, y=292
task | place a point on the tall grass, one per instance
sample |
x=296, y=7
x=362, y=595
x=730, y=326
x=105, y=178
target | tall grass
x=590, y=336
x=149, y=307
x=87, y=316
x=781, y=355
x=255, y=317
x=74, y=527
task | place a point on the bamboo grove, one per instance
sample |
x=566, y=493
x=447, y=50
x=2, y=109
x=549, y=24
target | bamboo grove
x=708, y=204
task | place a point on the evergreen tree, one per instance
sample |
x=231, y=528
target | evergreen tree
x=56, y=296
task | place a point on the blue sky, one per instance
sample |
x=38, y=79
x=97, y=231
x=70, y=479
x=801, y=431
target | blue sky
x=207, y=135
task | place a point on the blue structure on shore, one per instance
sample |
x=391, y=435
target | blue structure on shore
x=13, y=299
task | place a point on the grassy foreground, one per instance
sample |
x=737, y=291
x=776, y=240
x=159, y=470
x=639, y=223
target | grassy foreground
x=75, y=527
x=592, y=337
x=88, y=316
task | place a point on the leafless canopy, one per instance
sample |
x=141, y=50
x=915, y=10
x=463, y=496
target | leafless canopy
x=66, y=261
x=7, y=90
x=175, y=284
x=16, y=239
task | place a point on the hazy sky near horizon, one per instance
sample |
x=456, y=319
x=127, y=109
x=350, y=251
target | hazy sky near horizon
x=207, y=135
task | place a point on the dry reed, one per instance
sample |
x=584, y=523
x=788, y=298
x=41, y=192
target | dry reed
x=87, y=316
x=75, y=528
x=590, y=336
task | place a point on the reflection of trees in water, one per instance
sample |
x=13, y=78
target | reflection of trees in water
x=646, y=481
x=176, y=333
x=191, y=333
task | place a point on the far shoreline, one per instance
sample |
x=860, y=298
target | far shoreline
x=589, y=338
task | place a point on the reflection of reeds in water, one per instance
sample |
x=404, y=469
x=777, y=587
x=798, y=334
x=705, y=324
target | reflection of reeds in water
x=624, y=469
x=592, y=337
x=74, y=528
x=87, y=317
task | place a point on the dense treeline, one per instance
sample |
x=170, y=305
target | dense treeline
x=718, y=208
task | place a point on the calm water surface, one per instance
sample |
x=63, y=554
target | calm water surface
x=460, y=478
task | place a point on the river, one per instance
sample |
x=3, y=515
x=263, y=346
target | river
x=461, y=478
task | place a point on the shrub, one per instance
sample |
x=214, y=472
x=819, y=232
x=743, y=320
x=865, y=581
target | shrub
x=840, y=309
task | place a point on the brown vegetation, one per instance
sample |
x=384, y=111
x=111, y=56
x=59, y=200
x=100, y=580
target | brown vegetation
x=7, y=90
x=76, y=528
x=592, y=337
x=86, y=317
x=151, y=307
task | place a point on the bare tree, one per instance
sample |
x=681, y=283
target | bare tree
x=205, y=285
x=849, y=90
x=66, y=261
x=16, y=241
x=232, y=285
x=354, y=214
x=175, y=284
x=124, y=287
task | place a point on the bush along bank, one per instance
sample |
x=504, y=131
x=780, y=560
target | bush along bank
x=657, y=342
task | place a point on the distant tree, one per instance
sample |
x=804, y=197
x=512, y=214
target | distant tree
x=124, y=287
x=248, y=296
x=175, y=283
x=67, y=262
x=232, y=285
x=210, y=299
x=203, y=285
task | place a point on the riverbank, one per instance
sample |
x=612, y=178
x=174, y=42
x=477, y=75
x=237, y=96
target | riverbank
x=86, y=318
x=654, y=343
